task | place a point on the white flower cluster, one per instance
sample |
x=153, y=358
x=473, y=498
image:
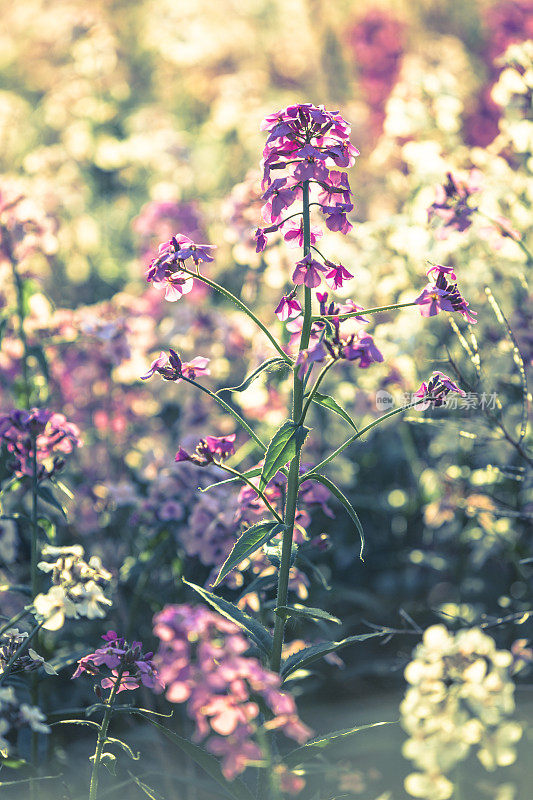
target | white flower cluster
x=76, y=590
x=460, y=696
x=13, y=659
x=13, y=715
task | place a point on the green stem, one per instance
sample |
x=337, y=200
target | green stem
x=243, y=307
x=363, y=311
x=256, y=489
x=19, y=287
x=102, y=736
x=14, y=620
x=294, y=470
x=314, y=390
x=227, y=408
x=360, y=433
x=34, y=591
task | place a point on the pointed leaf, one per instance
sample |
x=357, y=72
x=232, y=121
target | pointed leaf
x=314, y=746
x=46, y=494
x=253, y=628
x=284, y=445
x=252, y=473
x=251, y=540
x=328, y=402
x=235, y=789
x=306, y=611
x=304, y=657
x=272, y=363
x=315, y=476
x=88, y=722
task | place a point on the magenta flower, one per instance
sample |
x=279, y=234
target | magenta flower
x=207, y=449
x=295, y=234
x=308, y=272
x=306, y=358
x=119, y=656
x=436, y=390
x=443, y=296
x=362, y=348
x=167, y=268
x=176, y=285
x=451, y=202
x=432, y=300
x=337, y=275
x=288, y=307
x=336, y=189
x=336, y=219
x=172, y=368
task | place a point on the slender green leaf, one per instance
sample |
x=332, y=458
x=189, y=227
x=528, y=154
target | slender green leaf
x=236, y=789
x=127, y=749
x=304, y=657
x=298, y=610
x=314, y=746
x=88, y=722
x=253, y=628
x=46, y=494
x=272, y=363
x=148, y=791
x=316, y=476
x=250, y=541
x=252, y=473
x=282, y=448
x=328, y=402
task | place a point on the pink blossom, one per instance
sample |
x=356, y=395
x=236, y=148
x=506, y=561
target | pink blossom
x=306, y=358
x=436, y=390
x=207, y=448
x=287, y=308
x=337, y=275
x=308, y=272
x=295, y=234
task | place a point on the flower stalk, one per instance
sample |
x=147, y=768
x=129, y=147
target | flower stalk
x=102, y=735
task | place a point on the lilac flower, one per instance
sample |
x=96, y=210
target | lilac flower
x=337, y=275
x=295, y=234
x=336, y=219
x=443, y=296
x=207, y=448
x=288, y=307
x=172, y=368
x=306, y=358
x=337, y=188
x=436, y=390
x=451, y=202
x=166, y=269
x=308, y=272
x=119, y=656
x=362, y=348
x=279, y=196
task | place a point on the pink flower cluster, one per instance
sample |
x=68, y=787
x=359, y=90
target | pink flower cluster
x=443, y=296
x=505, y=22
x=377, y=43
x=202, y=662
x=302, y=140
x=127, y=662
x=49, y=433
x=167, y=269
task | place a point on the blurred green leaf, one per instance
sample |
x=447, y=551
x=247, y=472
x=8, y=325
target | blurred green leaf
x=251, y=540
x=253, y=628
x=315, y=476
